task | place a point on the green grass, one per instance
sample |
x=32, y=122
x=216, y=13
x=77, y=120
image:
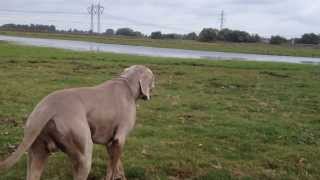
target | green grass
x=206, y=120
x=255, y=48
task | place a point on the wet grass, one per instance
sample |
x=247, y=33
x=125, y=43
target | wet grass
x=207, y=119
x=253, y=48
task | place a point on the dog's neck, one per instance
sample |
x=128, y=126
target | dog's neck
x=133, y=85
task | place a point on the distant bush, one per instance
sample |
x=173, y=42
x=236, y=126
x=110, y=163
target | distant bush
x=309, y=38
x=128, y=32
x=159, y=35
x=156, y=35
x=278, y=40
x=172, y=36
x=208, y=34
x=109, y=32
x=191, y=36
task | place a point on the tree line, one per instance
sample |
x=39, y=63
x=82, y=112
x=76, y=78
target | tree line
x=206, y=35
x=210, y=34
x=29, y=28
x=307, y=38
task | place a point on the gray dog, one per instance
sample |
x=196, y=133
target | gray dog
x=72, y=120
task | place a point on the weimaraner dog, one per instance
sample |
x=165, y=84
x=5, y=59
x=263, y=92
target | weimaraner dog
x=72, y=120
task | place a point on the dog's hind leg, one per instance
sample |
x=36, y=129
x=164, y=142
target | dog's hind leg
x=37, y=158
x=79, y=148
x=81, y=163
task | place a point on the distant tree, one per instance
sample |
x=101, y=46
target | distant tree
x=225, y=35
x=125, y=32
x=238, y=36
x=52, y=28
x=191, y=36
x=128, y=32
x=278, y=40
x=255, y=38
x=138, y=34
x=156, y=35
x=208, y=34
x=109, y=32
x=75, y=31
x=309, y=38
x=172, y=36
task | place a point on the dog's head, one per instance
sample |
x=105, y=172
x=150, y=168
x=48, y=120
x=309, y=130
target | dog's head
x=144, y=76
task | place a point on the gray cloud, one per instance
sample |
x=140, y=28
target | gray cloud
x=265, y=17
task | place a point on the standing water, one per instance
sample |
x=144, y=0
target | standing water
x=157, y=52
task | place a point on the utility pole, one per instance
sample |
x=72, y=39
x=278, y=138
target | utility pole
x=221, y=19
x=99, y=9
x=92, y=12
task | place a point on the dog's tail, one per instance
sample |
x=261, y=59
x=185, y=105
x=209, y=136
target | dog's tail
x=35, y=123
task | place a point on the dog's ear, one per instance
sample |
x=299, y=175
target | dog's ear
x=144, y=87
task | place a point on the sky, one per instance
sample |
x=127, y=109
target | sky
x=289, y=18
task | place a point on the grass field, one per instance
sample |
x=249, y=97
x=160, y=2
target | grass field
x=255, y=48
x=207, y=119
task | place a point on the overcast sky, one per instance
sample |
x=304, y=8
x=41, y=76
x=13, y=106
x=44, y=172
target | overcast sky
x=266, y=17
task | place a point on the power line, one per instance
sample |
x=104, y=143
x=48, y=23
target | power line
x=95, y=9
x=41, y=12
x=137, y=22
x=92, y=12
x=99, y=13
x=145, y=23
x=222, y=19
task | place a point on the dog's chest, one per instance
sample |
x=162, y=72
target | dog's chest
x=102, y=126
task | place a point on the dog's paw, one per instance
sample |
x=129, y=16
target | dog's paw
x=117, y=177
